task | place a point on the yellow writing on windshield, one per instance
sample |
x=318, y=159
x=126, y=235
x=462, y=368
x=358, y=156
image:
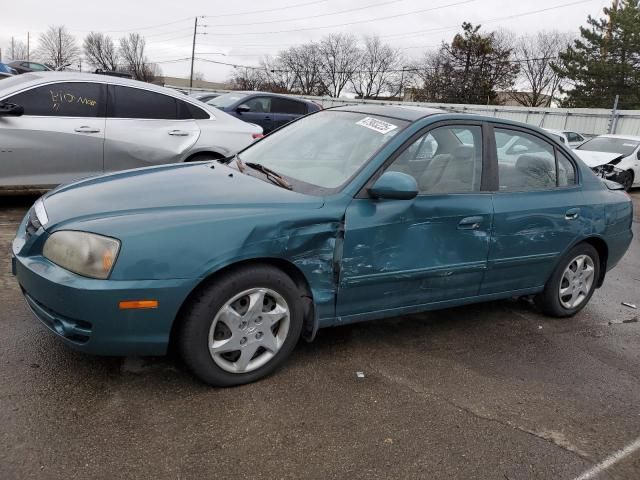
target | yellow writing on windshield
x=60, y=98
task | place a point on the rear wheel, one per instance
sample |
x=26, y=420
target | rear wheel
x=242, y=326
x=572, y=283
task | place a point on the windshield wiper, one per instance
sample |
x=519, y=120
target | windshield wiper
x=270, y=174
x=240, y=163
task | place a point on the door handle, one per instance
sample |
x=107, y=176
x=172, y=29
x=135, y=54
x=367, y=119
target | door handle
x=470, y=223
x=178, y=133
x=267, y=118
x=572, y=214
x=87, y=129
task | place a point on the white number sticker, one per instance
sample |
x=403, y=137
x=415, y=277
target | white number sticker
x=377, y=125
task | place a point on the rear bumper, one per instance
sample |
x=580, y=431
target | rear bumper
x=85, y=313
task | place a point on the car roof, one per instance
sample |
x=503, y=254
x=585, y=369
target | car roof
x=635, y=138
x=409, y=113
x=267, y=94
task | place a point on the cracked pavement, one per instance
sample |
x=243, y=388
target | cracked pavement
x=494, y=390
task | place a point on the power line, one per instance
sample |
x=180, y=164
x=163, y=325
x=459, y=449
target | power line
x=307, y=17
x=491, y=20
x=276, y=9
x=386, y=17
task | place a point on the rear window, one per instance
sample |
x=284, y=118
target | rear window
x=137, y=103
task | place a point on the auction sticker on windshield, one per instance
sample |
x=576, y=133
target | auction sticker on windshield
x=377, y=125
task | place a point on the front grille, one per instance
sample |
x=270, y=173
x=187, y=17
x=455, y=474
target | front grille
x=33, y=224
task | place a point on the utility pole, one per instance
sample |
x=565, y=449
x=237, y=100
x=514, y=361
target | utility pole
x=193, y=51
x=13, y=49
x=27, y=46
x=609, y=34
x=613, y=120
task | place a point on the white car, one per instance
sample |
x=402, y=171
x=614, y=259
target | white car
x=569, y=138
x=615, y=157
x=56, y=127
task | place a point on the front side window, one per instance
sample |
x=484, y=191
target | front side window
x=445, y=160
x=65, y=99
x=322, y=151
x=259, y=104
x=137, y=103
x=525, y=162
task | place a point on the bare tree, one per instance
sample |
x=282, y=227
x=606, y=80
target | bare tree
x=199, y=76
x=150, y=72
x=305, y=64
x=244, y=78
x=57, y=47
x=279, y=78
x=340, y=58
x=380, y=70
x=134, y=57
x=17, y=50
x=100, y=51
x=539, y=83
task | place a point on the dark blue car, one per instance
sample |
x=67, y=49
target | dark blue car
x=269, y=110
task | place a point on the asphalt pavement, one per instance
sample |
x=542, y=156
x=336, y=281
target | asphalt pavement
x=489, y=391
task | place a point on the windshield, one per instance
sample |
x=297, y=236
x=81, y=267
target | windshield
x=610, y=145
x=226, y=100
x=324, y=149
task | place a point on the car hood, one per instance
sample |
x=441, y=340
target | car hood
x=594, y=159
x=168, y=187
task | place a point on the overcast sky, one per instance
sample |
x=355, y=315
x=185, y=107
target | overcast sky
x=245, y=31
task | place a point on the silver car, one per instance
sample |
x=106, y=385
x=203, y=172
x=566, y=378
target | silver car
x=59, y=126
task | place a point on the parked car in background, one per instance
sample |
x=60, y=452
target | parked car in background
x=349, y=214
x=205, y=97
x=6, y=71
x=572, y=139
x=59, y=126
x=269, y=110
x=25, y=66
x=614, y=157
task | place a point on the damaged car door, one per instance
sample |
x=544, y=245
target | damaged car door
x=144, y=128
x=399, y=254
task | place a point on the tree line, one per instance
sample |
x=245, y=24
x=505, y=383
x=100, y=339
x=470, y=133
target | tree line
x=59, y=49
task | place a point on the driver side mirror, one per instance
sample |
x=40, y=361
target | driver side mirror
x=244, y=108
x=11, y=110
x=394, y=186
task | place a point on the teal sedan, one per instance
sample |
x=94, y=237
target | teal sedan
x=348, y=214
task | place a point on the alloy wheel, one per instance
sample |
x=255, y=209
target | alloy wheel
x=576, y=281
x=249, y=330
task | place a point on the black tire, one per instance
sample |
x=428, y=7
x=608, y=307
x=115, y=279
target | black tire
x=204, y=157
x=549, y=300
x=628, y=180
x=196, y=320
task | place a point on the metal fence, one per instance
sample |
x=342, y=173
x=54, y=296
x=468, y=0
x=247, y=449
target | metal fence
x=588, y=121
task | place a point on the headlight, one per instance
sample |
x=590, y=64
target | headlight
x=83, y=253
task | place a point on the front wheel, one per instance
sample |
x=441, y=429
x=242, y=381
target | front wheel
x=242, y=326
x=572, y=283
x=627, y=180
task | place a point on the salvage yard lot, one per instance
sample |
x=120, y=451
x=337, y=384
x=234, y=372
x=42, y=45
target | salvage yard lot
x=486, y=391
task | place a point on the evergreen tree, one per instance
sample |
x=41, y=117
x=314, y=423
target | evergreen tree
x=604, y=61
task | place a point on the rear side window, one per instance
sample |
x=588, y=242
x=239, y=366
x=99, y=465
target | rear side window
x=566, y=171
x=130, y=102
x=285, y=105
x=65, y=99
x=525, y=162
x=188, y=111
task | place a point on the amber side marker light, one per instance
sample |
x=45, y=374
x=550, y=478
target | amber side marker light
x=138, y=304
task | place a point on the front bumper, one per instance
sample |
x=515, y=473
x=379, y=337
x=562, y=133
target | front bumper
x=85, y=312
x=610, y=172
